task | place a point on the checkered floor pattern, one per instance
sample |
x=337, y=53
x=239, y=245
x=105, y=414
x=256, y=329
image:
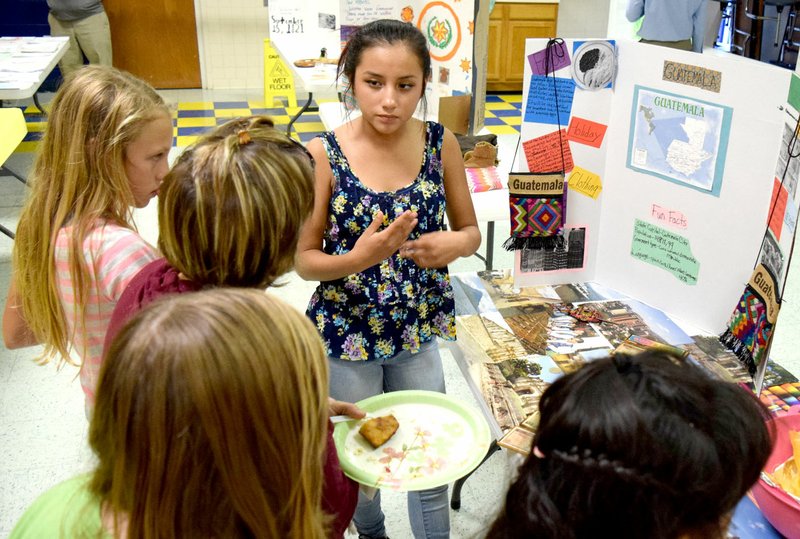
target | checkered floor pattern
x=191, y=119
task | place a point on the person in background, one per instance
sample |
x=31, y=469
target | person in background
x=85, y=23
x=229, y=213
x=637, y=446
x=378, y=243
x=680, y=24
x=104, y=151
x=210, y=422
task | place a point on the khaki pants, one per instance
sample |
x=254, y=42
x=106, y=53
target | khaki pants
x=90, y=37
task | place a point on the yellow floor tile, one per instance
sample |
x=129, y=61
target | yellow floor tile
x=36, y=127
x=196, y=105
x=513, y=120
x=499, y=106
x=27, y=146
x=197, y=122
x=185, y=141
x=280, y=119
x=33, y=109
x=502, y=129
x=231, y=113
x=308, y=127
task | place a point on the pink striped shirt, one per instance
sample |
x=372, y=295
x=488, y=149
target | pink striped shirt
x=115, y=255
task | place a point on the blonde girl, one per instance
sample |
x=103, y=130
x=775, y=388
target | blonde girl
x=103, y=152
x=210, y=422
x=378, y=242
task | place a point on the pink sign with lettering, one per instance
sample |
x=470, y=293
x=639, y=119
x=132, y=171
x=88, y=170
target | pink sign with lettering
x=673, y=218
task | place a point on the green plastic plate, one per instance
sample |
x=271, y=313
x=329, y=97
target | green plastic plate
x=439, y=440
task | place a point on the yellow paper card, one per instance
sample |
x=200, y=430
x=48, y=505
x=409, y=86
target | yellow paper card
x=585, y=182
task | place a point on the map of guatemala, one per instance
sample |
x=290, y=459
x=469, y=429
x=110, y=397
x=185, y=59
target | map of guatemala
x=678, y=139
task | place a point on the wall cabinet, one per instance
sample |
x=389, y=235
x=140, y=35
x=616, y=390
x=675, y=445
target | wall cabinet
x=509, y=26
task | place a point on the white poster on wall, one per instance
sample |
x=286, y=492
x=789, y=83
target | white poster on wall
x=359, y=12
x=448, y=28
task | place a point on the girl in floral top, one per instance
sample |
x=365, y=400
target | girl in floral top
x=378, y=243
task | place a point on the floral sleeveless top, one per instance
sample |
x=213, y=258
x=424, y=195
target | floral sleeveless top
x=395, y=305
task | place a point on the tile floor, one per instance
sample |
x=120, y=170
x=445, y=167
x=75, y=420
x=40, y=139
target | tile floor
x=198, y=110
x=42, y=426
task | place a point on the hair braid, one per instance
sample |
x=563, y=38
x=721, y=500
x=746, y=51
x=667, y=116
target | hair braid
x=585, y=458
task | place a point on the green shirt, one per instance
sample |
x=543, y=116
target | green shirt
x=67, y=510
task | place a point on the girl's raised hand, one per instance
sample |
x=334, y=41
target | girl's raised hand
x=435, y=249
x=375, y=246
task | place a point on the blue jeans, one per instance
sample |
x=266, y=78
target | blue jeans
x=352, y=381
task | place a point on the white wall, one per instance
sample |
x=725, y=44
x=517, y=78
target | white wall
x=231, y=35
x=583, y=18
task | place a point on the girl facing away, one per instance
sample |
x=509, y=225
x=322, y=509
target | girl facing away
x=229, y=213
x=210, y=422
x=104, y=151
x=378, y=243
x=641, y=446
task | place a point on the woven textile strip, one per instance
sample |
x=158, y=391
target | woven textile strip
x=537, y=204
x=750, y=326
x=483, y=179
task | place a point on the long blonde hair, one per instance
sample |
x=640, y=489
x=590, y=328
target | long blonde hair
x=78, y=178
x=211, y=420
x=230, y=210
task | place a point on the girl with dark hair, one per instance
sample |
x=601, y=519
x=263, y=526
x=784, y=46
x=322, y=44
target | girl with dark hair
x=378, y=242
x=642, y=446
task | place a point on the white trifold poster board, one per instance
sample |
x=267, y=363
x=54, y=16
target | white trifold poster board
x=674, y=167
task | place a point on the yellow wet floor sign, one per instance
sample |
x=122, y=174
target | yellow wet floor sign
x=278, y=79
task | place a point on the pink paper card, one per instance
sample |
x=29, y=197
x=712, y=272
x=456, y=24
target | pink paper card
x=544, y=154
x=586, y=132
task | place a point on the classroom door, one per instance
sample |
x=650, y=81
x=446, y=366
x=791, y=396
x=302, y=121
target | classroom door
x=156, y=40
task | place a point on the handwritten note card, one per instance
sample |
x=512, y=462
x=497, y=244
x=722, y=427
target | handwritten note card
x=543, y=93
x=586, y=132
x=585, y=182
x=664, y=249
x=359, y=12
x=544, y=154
x=691, y=75
x=559, y=57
